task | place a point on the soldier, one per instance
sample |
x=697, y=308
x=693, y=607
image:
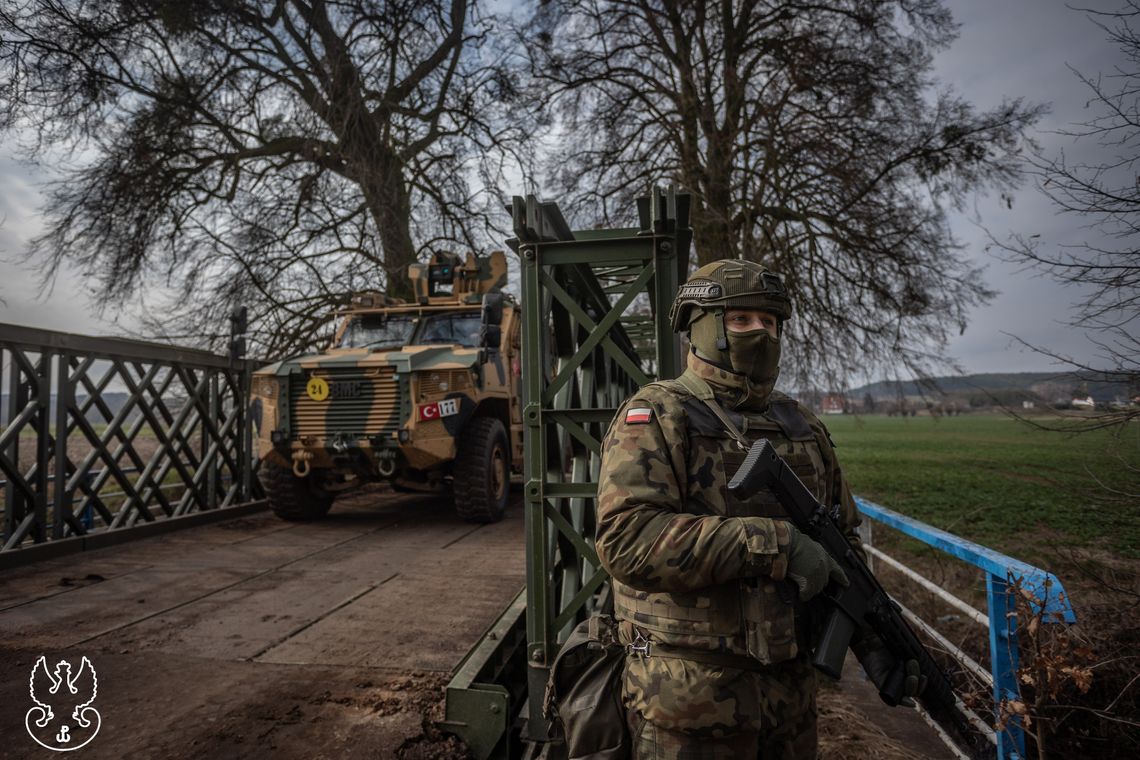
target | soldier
x=705, y=586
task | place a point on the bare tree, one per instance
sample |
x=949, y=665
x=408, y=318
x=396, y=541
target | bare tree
x=812, y=140
x=276, y=153
x=1105, y=196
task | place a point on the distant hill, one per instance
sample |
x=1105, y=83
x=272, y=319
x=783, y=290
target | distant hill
x=1045, y=385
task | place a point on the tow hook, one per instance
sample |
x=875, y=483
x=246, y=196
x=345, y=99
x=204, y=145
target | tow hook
x=301, y=463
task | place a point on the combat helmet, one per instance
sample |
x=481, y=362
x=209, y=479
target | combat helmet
x=729, y=284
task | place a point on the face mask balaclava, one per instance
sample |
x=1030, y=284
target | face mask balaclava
x=753, y=355
x=756, y=355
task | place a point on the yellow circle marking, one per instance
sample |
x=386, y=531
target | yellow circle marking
x=317, y=389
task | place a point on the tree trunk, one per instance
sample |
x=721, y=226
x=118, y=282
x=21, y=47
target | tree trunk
x=711, y=221
x=386, y=193
x=712, y=233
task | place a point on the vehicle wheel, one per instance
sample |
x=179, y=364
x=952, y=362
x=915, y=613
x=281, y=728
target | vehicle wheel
x=482, y=473
x=292, y=498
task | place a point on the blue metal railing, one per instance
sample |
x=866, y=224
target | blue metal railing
x=1001, y=572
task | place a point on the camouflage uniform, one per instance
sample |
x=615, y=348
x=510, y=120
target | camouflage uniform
x=697, y=572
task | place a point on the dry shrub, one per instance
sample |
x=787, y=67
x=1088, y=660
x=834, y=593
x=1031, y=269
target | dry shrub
x=1080, y=684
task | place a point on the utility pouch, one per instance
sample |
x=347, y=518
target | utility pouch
x=583, y=694
x=769, y=621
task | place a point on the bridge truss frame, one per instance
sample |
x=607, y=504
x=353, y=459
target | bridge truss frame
x=595, y=328
x=109, y=488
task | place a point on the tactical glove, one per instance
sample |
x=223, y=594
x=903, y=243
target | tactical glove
x=898, y=681
x=810, y=567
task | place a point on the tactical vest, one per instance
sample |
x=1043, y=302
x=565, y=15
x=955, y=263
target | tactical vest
x=757, y=617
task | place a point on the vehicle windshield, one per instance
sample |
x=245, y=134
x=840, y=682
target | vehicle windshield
x=451, y=328
x=378, y=330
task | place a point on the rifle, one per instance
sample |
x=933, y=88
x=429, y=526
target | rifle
x=863, y=603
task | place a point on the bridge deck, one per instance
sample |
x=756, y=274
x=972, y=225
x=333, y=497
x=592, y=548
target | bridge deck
x=254, y=637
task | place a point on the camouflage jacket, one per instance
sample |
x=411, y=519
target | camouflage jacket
x=693, y=566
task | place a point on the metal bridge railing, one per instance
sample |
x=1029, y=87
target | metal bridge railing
x=1000, y=574
x=94, y=433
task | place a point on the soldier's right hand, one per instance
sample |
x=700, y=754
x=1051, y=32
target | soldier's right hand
x=810, y=567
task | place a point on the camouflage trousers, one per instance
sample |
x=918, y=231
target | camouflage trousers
x=681, y=710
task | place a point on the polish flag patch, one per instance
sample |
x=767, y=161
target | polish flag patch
x=638, y=416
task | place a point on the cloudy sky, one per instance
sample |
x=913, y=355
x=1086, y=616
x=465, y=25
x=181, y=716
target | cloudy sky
x=1006, y=48
x=1025, y=48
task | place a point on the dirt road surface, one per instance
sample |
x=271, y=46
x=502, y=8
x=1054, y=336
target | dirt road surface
x=259, y=638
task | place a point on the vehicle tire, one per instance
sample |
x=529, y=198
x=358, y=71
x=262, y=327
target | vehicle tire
x=292, y=498
x=482, y=472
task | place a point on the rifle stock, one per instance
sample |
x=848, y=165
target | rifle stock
x=860, y=605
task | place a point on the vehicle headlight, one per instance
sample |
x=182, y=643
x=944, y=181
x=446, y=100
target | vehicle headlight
x=264, y=386
x=439, y=382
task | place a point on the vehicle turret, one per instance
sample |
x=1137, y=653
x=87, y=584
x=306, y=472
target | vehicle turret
x=446, y=278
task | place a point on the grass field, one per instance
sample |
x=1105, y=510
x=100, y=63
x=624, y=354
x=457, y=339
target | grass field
x=999, y=482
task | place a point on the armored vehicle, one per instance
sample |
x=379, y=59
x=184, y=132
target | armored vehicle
x=422, y=394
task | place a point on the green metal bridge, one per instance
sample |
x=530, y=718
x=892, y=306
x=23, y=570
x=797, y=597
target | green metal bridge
x=594, y=304
x=595, y=329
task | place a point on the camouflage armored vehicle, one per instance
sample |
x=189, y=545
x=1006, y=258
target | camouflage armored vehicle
x=419, y=394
